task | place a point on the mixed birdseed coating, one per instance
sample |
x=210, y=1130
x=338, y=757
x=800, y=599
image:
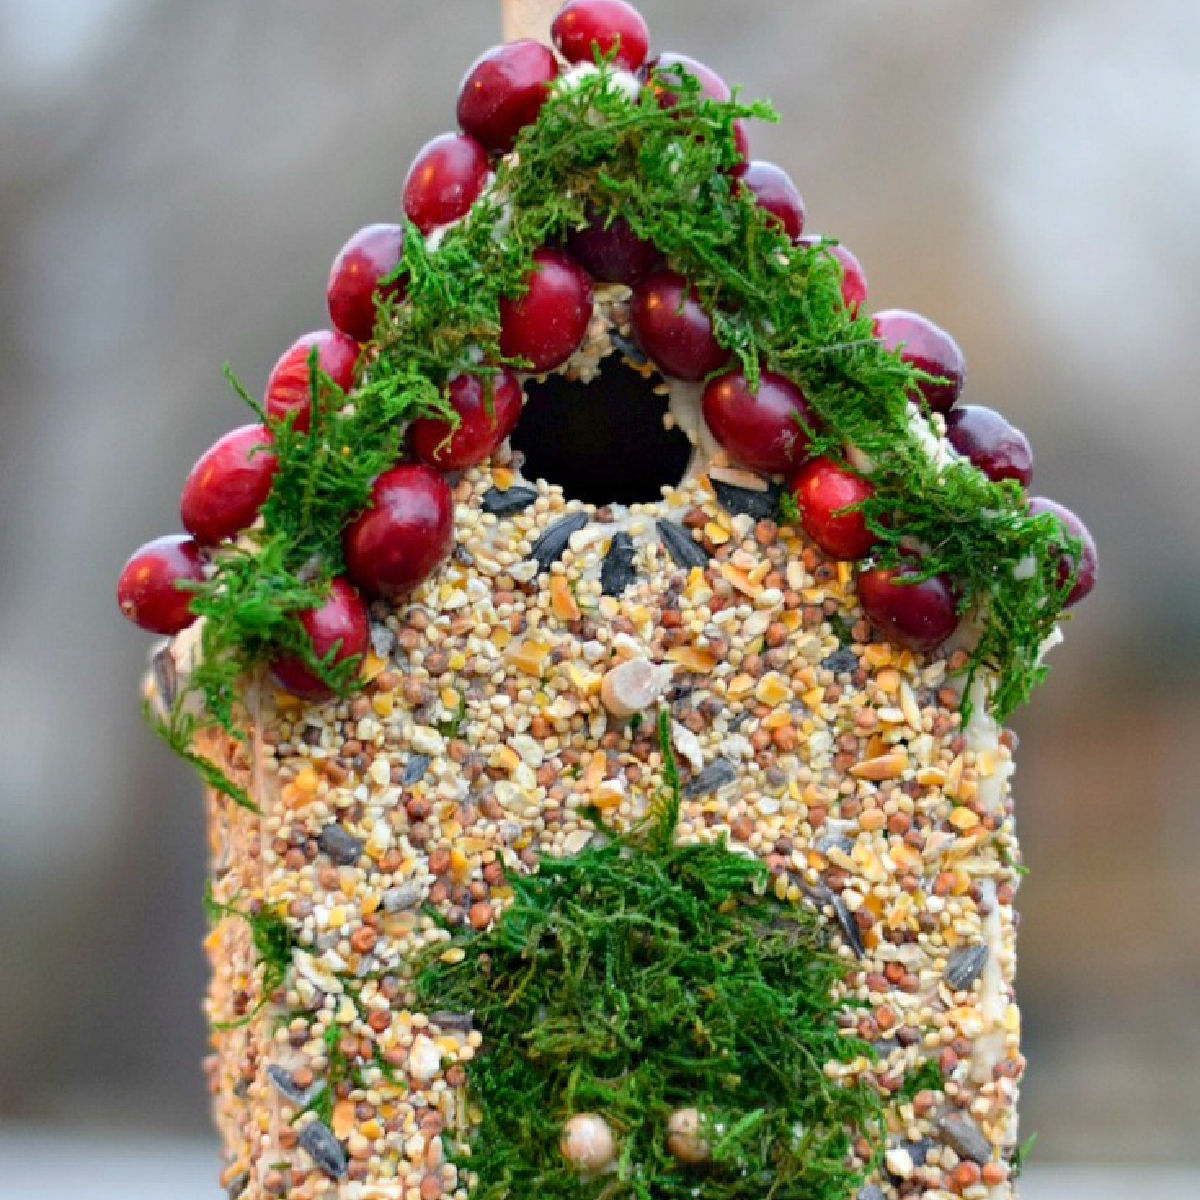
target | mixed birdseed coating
x=479, y=740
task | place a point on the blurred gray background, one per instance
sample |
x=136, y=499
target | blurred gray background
x=174, y=180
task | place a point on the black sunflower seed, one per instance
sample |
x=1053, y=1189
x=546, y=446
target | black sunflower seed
x=458, y=1022
x=414, y=769
x=165, y=679
x=628, y=350
x=965, y=1137
x=511, y=500
x=842, y=659
x=616, y=571
x=917, y=1151
x=747, y=502
x=965, y=965
x=342, y=847
x=285, y=1085
x=237, y=1185
x=549, y=547
x=849, y=926
x=869, y=1192
x=716, y=775
x=681, y=546
x=324, y=1149
x=821, y=895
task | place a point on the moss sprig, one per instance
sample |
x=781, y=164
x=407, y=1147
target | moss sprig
x=273, y=941
x=640, y=977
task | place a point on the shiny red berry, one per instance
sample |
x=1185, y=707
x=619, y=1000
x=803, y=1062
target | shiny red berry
x=854, y=278
x=929, y=348
x=821, y=489
x=920, y=615
x=1085, y=570
x=147, y=591
x=341, y=624
x=760, y=429
x=672, y=327
x=504, y=90
x=774, y=191
x=370, y=255
x=444, y=181
x=404, y=533
x=547, y=323
x=289, y=386
x=613, y=253
x=228, y=484
x=583, y=26
x=479, y=431
x=672, y=66
x=998, y=449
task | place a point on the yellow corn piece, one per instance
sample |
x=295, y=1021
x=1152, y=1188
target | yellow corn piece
x=562, y=602
x=692, y=658
x=528, y=656
x=372, y=665
x=884, y=766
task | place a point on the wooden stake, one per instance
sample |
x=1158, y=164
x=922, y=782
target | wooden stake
x=528, y=19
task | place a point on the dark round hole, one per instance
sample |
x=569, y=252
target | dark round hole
x=602, y=442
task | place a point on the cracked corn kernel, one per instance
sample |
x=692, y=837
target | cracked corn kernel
x=741, y=580
x=505, y=757
x=528, y=656
x=964, y=819
x=884, y=766
x=692, y=658
x=562, y=602
x=372, y=665
x=740, y=685
x=771, y=689
x=343, y=1119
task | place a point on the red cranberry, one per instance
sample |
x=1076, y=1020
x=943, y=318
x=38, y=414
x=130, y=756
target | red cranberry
x=673, y=328
x=673, y=66
x=547, y=323
x=225, y=489
x=929, y=348
x=289, y=387
x=614, y=254
x=446, y=177
x=822, y=488
x=854, y=278
x=583, y=26
x=759, y=429
x=504, y=90
x=774, y=190
x=404, y=533
x=340, y=624
x=920, y=615
x=479, y=431
x=370, y=255
x=1085, y=571
x=147, y=591
x=998, y=449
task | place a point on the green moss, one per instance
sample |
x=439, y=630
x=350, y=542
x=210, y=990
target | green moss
x=926, y=1078
x=273, y=942
x=640, y=977
x=178, y=731
x=1021, y=1155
